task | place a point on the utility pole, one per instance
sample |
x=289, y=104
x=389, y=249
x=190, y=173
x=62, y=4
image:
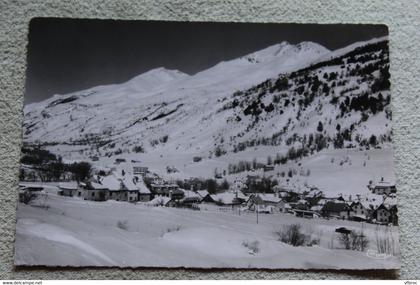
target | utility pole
x=256, y=208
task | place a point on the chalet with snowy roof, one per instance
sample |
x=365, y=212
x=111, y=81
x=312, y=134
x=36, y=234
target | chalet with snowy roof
x=382, y=214
x=131, y=185
x=191, y=197
x=312, y=193
x=306, y=213
x=93, y=191
x=336, y=210
x=208, y=199
x=383, y=188
x=28, y=191
x=281, y=191
x=202, y=193
x=390, y=200
x=322, y=201
x=314, y=200
x=230, y=199
x=316, y=208
x=359, y=212
x=121, y=187
x=144, y=194
x=167, y=190
x=269, y=203
x=115, y=186
x=339, y=199
x=159, y=201
x=301, y=204
x=386, y=214
x=69, y=189
x=290, y=197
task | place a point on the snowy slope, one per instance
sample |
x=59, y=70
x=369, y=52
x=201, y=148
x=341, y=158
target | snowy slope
x=74, y=232
x=255, y=106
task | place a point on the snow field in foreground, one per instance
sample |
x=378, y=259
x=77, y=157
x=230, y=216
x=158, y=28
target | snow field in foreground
x=68, y=231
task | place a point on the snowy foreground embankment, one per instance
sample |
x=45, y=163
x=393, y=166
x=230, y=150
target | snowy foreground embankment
x=67, y=231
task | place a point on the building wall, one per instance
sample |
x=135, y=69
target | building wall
x=382, y=216
x=358, y=210
x=344, y=214
x=132, y=196
x=118, y=195
x=144, y=197
x=382, y=190
x=68, y=192
x=95, y=195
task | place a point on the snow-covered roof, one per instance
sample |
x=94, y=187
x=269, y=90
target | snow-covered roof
x=228, y=198
x=283, y=194
x=116, y=182
x=373, y=200
x=365, y=204
x=361, y=216
x=241, y=195
x=129, y=182
x=159, y=200
x=202, y=193
x=111, y=182
x=165, y=185
x=282, y=188
x=30, y=185
x=385, y=206
x=316, y=208
x=97, y=186
x=269, y=198
x=72, y=185
x=142, y=187
x=322, y=201
x=190, y=194
x=287, y=206
x=390, y=201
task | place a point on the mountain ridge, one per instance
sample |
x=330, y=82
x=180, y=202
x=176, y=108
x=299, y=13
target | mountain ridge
x=227, y=117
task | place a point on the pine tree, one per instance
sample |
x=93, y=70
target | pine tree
x=320, y=127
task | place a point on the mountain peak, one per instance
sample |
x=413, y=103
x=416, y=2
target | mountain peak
x=160, y=73
x=286, y=50
x=155, y=77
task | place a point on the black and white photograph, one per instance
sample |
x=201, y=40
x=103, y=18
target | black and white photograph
x=207, y=145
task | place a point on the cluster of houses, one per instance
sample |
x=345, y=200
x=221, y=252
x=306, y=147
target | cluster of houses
x=118, y=186
x=383, y=210
x=130, y=187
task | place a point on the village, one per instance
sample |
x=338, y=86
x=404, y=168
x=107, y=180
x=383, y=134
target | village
x=137, y=184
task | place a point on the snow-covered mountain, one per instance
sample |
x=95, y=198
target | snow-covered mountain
x=288, y=101
x=162, y=85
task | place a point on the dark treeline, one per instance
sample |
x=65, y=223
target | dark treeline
x=50, y=167
x=211, y=185
x=367, y=64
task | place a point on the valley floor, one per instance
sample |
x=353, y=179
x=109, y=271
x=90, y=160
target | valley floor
x=68, y=231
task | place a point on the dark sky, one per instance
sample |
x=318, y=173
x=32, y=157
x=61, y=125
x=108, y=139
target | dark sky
x=66, y=55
